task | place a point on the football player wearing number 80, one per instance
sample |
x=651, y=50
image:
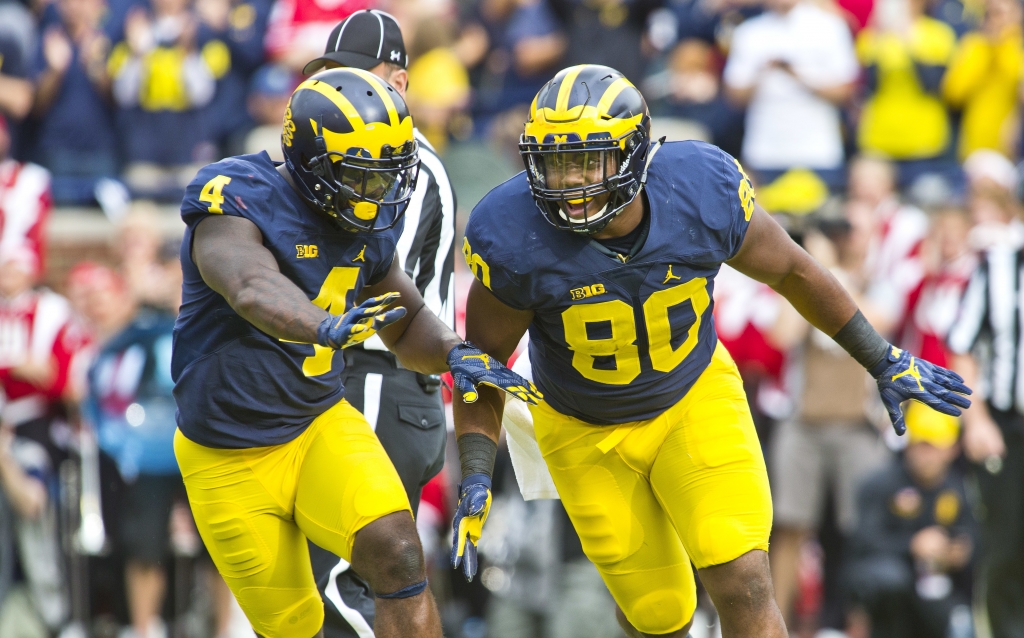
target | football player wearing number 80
x=606, y=248
x=284, y=265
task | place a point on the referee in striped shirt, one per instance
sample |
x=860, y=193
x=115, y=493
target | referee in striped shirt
x=403, y=407
x=987, y=341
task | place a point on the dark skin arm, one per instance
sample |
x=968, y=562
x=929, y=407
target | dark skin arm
x=419, y=339
x=496, y=329
x=233, y=261
x=767, y=255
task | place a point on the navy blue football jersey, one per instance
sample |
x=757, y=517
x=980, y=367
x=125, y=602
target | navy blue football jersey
x=238, y=387
x=614, y=342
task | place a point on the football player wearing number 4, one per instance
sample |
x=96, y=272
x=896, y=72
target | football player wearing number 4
x=274, y=259
x=607, y=249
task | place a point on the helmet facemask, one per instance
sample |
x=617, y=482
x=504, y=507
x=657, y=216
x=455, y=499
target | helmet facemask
x=351, y=189
x=582, y=186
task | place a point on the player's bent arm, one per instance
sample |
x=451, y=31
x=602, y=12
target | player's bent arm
x=233, y=261
x=420, y=340
x=496, y=329
x=770, y=256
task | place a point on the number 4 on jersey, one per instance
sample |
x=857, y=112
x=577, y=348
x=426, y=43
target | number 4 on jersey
x=211, y=193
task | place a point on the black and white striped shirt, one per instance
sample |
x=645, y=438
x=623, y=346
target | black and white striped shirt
x=426, y=249
x=989, y=326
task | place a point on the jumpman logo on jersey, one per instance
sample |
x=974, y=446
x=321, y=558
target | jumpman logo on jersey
x=483, y=357
x=669, y=276
x=362, y=255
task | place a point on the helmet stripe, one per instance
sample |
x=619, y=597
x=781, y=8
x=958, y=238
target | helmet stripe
x=382, y=93
x=339, y=100
x=565, y=90
x=610, y=94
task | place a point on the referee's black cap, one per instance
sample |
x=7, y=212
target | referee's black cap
x=363, y=40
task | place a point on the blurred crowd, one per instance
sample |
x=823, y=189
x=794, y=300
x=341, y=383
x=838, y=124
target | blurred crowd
x=883, y=134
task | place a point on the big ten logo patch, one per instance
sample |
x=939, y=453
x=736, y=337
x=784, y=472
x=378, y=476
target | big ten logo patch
x=586, y=291
x=306, y=251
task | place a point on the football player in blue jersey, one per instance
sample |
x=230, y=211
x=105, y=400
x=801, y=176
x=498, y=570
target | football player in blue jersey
x=284, y=265
x=606, y=249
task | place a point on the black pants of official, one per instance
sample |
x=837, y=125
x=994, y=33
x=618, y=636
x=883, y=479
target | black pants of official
x=1002, y=525
x=410, y=425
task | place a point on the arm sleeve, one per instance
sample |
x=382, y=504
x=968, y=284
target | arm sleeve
x=727, y=200
x=223, y=188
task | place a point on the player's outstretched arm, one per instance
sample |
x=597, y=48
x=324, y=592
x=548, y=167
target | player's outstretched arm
x=424, y=344
x=769, y=255
x=496, y=329
x=232, y=259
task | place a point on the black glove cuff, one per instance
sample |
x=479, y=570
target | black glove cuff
x=476, y=454
x=862, y=341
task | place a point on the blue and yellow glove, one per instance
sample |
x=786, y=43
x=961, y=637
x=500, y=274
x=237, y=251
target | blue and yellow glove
x=474, y=504
x=360, y=323
x=471, y=367
x=902, y=376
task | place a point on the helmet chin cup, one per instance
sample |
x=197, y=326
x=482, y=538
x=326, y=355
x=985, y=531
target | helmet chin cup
x=365, y=210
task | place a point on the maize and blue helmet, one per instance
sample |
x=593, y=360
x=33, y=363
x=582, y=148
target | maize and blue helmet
x=585, y=147
x=348, y=144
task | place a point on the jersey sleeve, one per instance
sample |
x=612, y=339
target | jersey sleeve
x=727, y=201
x=227, y=187
x=486, y=260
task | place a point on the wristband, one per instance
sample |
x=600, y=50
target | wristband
x=862, y=341
x=476, y=454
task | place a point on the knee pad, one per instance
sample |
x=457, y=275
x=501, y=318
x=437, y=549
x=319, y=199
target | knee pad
x=407, y=592
x=283, y=612
x=659, y=612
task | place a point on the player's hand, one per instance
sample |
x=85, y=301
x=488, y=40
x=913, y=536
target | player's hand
x=474, y=504
x=471, y=367
x=902, y=376
x=360, y=323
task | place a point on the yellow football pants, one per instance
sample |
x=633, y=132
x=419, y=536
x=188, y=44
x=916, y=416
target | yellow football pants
x=256, y=507
x=649, y=497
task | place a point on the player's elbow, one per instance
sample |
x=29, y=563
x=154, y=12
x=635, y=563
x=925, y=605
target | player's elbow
x=246, y=300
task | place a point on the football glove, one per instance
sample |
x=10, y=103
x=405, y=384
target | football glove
x=474, y=504
x=902, y=376
x=360, y=323
x=471, y=366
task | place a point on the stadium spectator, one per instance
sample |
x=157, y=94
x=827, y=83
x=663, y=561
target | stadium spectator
x=608, y=32
x=36, y=354
x=438, y=87
x=241, y=25
x=893, y=267
x=163, y=73
x=690, y=88
x=987, y=347
x=130, y=407
x=269, y=91
x=910, y=568
x=933, y=306
x=830, y=445
x=35, y=605
x=792, y=67
x=75, y=134
x=298, y=28
x=137, y=245
x=995, y=211
x=905, y=54
x=983, y=80
x=512, y=49
x=15, y=89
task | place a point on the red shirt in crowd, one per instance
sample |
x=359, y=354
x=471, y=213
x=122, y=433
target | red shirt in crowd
x=306, y=21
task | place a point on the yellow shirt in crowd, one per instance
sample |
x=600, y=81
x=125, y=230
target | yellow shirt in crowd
x=982, y=81
x=901, y=120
